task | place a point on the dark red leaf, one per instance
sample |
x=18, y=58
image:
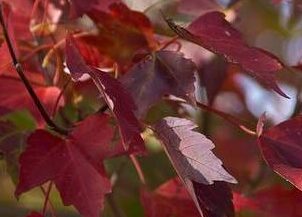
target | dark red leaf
x=276, y=201
x=13, y=95
x=124, y=33
x=169, y=199
x=212, y=76
x=100, y=132
x=215, y=200
x=214, y=33
x=79, y=7
x=118, y=100
x=233, y=151
x=282, y=149
x=76, y=170
x=172, y=199
x=165, y=72
x=6, y=61
x=34, y=214
x=191, y=155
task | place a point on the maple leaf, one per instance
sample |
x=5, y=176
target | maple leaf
x=117, y=98
x=191, y=155
x=282, y=149
x=9, y=100
x=214, y=33
x=91, y=54
x=97, y=146
x=242, y=150
x=74, y=164
x=275, y=201
x=163, y=72
x=171, y=198
x=123, y=33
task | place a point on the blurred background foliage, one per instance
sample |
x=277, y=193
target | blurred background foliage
x=274, y=27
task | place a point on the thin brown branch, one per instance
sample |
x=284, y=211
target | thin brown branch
x=170, y=42
x=47, y=201
x=231, y=119
x=25, y=81
x=55, y=108
x=228, y=118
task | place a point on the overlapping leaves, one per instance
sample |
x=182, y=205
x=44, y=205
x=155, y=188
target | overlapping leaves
x=191, y=155
x=214, y=33
x=74, y=164
x=162, y=73
x=116, y=97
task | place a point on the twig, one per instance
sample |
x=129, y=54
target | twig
x=169, y=42
x=223, y=115
x=138, y=168
x=27, y=84
x=60, y=96
x=228, y=118
x=47, y=201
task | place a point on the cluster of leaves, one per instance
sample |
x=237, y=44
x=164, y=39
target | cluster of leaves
x=89, y=75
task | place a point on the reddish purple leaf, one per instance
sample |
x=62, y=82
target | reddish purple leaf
x=171, y=198
x=165, y=72
x=214, y=33
x=215, y=200
x=191, y=155
x=276, y=201
x=117, y=98
x=282, y=149
x=73, y=164
x=212, y=75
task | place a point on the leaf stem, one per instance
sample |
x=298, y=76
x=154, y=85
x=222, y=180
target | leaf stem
x=47, y=201
x=169, y=42
x=25, y=81
x=138, y=168
x=55, y=108
x=231, y=119
x=228, y=118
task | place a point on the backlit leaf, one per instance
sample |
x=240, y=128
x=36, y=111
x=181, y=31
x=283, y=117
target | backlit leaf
x=116, y=97
x=123, y=33
x=214, y=33
x=191, y=155
x=281, y=147
x=275, y=201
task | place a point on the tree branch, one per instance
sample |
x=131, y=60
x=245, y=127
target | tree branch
x=25, y=81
